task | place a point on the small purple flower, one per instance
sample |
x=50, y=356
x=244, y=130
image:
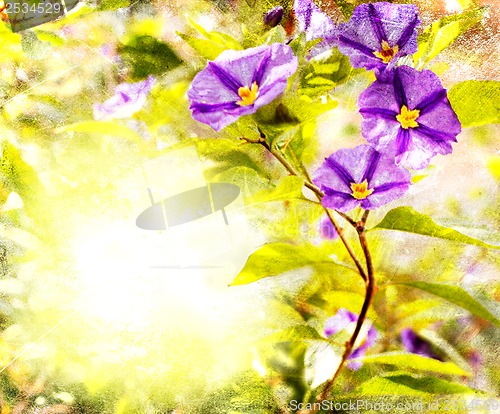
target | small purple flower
x=274, y=16
x=378, y=34
x=127, y=100
x=345, y=319
x=239, y=82
x=316, y=25
x=360, y=175
x=327, y=230
x=416, y=345
x=408, y=114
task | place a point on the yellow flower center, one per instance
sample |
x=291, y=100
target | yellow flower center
x=360, y=191
x=248, y=95
x=407, y=118
x=387, y=52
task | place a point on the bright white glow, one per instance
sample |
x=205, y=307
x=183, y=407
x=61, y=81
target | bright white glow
x=453, y=6
x=207, y=22
x=13, y=202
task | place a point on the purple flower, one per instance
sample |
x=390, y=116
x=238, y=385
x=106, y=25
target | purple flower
x=378, y=34
x=346, y=320
x=239, y=82
x=316, y=25
x=360, y=175
x=408, y=114
x=327, y=230
x=416, y=345
x=274, y=16
x=127, y=100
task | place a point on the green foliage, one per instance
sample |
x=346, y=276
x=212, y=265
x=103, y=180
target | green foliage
x=415, y=362
x=148, y=56
x=19, y=176
x=403, y=384
x=289, y=188
x=476, y=102
x=296, y=333
x=441, y=34
x=276, y=258
x=105, y=5
x=409, y=220
x=346, y=7
x=321, y=76
x=213, y=43
x=457, y=296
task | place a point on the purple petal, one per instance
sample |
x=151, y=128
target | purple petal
x=437, y=123
x=355, y=165
x=127, y=100
x=339, y=321
x=214, y=91
x=327, y=230
x=316, y=25
x=373, y=23
x=376, y=23
x=226, y=78
x=370, y=340
x=274, y=16
x=416, y=345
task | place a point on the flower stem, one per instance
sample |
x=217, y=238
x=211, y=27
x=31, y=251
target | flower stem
x=371, y=289
x=319, y=195
x=368, y=275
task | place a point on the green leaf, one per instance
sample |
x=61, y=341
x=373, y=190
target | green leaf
x=321, y=76
x=404, y=384
x=409, y=220
x=346, y=7
x=148, y=56
x=476, y=102
x=16, y=175
x=296, y=333
x=289, y=188
x=112, y=4
x=441, y=34
x=248, y=179
x=457, y=296
x=276, y=258
x=213, y=44
x=415, y=362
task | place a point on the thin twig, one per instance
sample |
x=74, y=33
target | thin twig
x=368, y=276
x=319, y=194
x=371, y=289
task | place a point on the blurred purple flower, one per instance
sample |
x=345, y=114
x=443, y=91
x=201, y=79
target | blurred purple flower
x=416, y=345
x=408, y=114
x=345, y=319
x=378, y=34
x=127, y=100
x=316, y=25
x=327, y=230
x=360, y=175
x=239, y=82
x=274, y=16
x=475, y=358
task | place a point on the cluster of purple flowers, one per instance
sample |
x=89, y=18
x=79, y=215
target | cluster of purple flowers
x=407, y=118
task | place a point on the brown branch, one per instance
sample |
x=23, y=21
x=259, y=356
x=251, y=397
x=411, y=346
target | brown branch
x=371, y=289
x=319, y=195
x=368, y=275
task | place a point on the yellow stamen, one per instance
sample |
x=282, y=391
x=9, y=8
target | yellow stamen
x=387, y=52
x=407, y=118
x=360, y=191
x=247, y=95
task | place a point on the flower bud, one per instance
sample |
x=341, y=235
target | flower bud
x=273, y=17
